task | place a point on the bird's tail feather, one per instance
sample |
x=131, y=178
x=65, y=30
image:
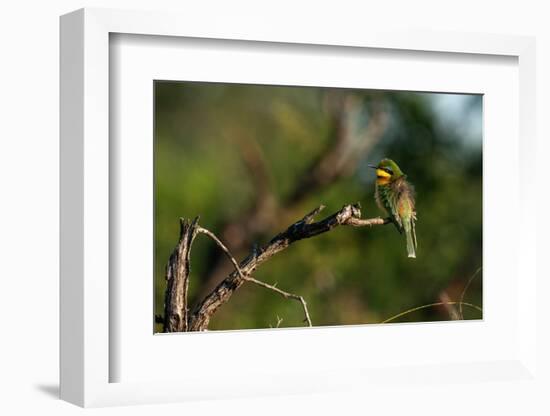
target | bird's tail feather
x=411, y=238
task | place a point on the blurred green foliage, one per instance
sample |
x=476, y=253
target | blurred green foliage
x=348, y=275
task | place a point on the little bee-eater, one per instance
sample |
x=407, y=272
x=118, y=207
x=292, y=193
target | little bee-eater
x=395, y=196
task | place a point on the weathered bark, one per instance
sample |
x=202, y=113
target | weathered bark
x=177, y=279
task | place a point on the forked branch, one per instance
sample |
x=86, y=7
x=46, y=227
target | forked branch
x=286, y=295
x=176, y=313
x=302, y=229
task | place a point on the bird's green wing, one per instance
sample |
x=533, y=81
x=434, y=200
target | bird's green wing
x=388, y=198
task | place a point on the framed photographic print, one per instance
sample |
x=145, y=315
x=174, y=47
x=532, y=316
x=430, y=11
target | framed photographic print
x=253, y=160
x=290, y=214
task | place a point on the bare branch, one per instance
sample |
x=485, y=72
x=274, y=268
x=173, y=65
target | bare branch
x=308, y=219
x=223, y=247
x=286, y=295
x=177, y=277
x=305, y=228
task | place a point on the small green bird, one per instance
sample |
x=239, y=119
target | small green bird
x=395, y=196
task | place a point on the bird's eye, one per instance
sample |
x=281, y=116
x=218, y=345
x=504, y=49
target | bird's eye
x=389, y=171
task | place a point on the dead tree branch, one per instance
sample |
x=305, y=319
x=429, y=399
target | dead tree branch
x=305, y=228
x=177, y=279
x=286, y=295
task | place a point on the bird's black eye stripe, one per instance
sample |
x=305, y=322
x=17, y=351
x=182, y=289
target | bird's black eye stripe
x=388, y=170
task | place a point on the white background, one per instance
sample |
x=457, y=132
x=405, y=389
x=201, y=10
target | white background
x=29, y=209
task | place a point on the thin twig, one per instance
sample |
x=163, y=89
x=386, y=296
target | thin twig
x=358, y=222
x=308, y=218
x=279, y=322
x=224, y=249
x=286, y=295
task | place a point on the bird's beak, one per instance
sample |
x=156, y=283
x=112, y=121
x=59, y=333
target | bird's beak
x=372, y=166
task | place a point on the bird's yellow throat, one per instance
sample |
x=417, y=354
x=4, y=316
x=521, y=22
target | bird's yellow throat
x=382, y=177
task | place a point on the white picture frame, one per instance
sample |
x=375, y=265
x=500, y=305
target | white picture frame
x=86, y=163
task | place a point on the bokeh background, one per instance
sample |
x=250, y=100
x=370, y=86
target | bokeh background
x=251, y=160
